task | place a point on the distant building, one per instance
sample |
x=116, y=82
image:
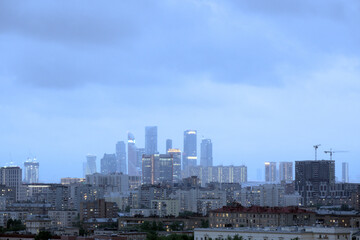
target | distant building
x=69, y=180
x=31, y=171
x=270, y=171
x=121, y=157
x=168, y=144
x=255, y=216
x=286, y=171
x=108, y=164
x=313, y=179
x=98, y=209
x=151, y=140
x=206, y=156
x=176, y=155
x=132, y=159
x=345, y=172
x=12, y=177
x=190, y=149
x=114, y=182
x=139, y=154
x=90, y=165
x=157, y=168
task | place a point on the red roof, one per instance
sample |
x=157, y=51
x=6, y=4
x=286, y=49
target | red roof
x=257, y=209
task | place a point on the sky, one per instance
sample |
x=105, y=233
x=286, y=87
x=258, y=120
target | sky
x=265, y=80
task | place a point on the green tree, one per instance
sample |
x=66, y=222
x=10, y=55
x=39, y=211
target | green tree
x=43, y=235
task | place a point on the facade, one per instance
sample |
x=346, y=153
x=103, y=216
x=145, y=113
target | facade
x=157, y=168
x=151, y=140
x=282, y=233
x=221, y=174
x=313, y=179
x=255, y=216
x=62, y=219
x=132, y=159
x=108, y=164
x=139, y=154
x=166, y=207
x=12, y=177
x=90, y=165
x=69, y=180
x=121, y=157
x=206, y=156
x=176, y=155
x=114, y=182
x=168, y=144
x=286, y=171
x=270, y=172
x=31, y=171
x=345, y=172
x=190, y=149
x=97, y=209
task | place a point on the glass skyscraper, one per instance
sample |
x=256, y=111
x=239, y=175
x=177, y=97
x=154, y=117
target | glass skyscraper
x=190, y=150
x=206, y=158
x=151, y=140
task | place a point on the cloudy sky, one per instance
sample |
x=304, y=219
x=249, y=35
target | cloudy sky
x=265, y=80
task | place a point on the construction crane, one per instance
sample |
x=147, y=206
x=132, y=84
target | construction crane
x=331, y=152
x=316, y=147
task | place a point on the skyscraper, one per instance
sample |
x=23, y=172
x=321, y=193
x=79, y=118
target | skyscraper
x=151, y=140
x=345, y=172
x=168, y=144
x=206, y=159
x=12, y=177
x=190, y=152
x=31, y=171
x=121, y=157
x=139, y=153
x=90, y=165
x=176, y=155
x=157, y=168
x=108, y=164
x=132, y=159
x=270, y=171
x=286, y=171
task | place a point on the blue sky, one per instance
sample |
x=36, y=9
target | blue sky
x=265, y=80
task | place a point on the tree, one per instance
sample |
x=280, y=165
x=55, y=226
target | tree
x=43, y=235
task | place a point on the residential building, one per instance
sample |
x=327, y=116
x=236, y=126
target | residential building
x=286, y=171
x=270, y=172
x=97, y=209
x=12, y=177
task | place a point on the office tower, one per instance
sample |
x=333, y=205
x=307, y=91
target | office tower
x=313, y=179
x=345, y=172
x=168, y=144
x=286, y=171
x=108, y=164
x=157, y=168
x=189, y=153
x=176, y=155
x=90, y=165
x=11, y=177
x=132, y=159
x=206, y=159
x=31, y=171
x=139, y=153
x=151, y=140
x=121, y=157
x=270, y=171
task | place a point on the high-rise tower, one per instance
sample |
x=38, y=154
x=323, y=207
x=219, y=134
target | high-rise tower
x=31, y=171
x=206, y=158
x=286, y=171
x=108, y=164
x=345, y=172
x=132, y=158
x=121, y=157
x=270, y=171
x=11, y=177
x=176, y=155
x=151, y=140
x=90, y=165
x=168, y=144
x=189, y=153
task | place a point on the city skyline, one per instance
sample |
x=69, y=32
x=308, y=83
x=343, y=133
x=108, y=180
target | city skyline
x=264, y=81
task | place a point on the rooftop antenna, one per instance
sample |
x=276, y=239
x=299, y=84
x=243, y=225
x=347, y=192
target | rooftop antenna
x=316, y=147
